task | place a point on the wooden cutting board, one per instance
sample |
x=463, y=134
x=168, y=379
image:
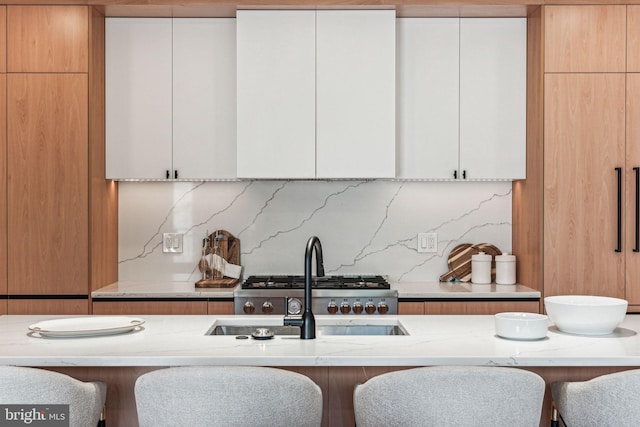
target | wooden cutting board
x=459, y=261
x=229, y=249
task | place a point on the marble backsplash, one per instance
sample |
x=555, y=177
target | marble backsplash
x=366, y=227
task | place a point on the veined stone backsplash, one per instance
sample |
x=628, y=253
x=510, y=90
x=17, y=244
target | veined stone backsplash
x=366, y=227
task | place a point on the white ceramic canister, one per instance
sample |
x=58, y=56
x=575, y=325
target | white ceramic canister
x=506, y=269
x=481, y=268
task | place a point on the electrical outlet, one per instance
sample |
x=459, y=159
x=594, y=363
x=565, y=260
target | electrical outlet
x=172, y=242
x=427, y=242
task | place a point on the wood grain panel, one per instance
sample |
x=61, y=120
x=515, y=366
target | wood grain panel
x=632, y=264
x=47, y=184
x=47, y=38
x=633, y=39
x=479, y=307
x=3, y=186
x=103, y=194
x=584, y=141
x=585, y=38
x=3, y=39
x=3, y=306
x=407, y=307
x=220, y=307
x=48, y=306
x=527, y=206
x=149, y=307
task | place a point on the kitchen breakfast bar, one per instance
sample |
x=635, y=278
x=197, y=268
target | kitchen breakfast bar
x=334, y=362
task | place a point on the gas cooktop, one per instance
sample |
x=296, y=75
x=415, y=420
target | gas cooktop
x=326, y=282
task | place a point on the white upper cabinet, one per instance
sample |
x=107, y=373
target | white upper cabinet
x=428, y=94
x=355, y=89
x=138, y=97
x=316, y=94
x=204, y=98
x=276, y=94
x=461, y=98
x=170, y=103
x=493, y=97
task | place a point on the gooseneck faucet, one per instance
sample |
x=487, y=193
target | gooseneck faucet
x=307, y=322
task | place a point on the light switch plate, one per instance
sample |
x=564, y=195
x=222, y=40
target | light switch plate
x=172, y=242
x=427, y=242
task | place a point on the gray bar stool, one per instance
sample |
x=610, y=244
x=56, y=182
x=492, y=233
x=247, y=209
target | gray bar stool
x=608, y=400
x=31, y=386
x=227, y=396
x=456, y=396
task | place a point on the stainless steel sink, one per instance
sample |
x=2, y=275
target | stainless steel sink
x=231, y=327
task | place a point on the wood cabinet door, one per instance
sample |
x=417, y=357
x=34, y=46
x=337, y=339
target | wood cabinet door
x=138, y=97
x=276, y=93
x=585, y=38
x=493, y=98
x=149, y=307
x=632, y=245
x=48, y=39
x=584, y=141
x=480, y=307
x=48, y=306
x=204, y=97
x=410, y=307
x=633, y=39
x=3, y=39
x=3, y=186
x=220, y=307
x=47, y=188
x=427, y=100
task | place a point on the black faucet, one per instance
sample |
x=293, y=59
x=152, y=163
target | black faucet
x=307, y=322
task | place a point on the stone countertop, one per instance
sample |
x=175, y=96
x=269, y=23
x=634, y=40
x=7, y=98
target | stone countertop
x=432, y=340
x=426, y=290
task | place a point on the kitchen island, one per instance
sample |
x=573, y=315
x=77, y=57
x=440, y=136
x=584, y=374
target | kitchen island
x=336, y=363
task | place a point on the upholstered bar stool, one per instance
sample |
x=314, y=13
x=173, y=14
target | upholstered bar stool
x=608, y=400
x=455, y=396
x=31, y=386
x=227, y=396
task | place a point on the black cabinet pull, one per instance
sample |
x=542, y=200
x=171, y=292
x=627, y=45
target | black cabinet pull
x=464, y=174
x=168, y=174
x=619, y=173
x=455, y=174
x=637, y=243
x=175, y=174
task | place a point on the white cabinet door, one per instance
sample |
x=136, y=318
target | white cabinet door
x=355, y=94
x=493, y=70
x=138, y=97
x=276, y=94
x=204, y=98
x=428, y=93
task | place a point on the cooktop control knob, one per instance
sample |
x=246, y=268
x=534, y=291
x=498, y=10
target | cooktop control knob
x=345, y=308
x=248, y=308
x=357, y=308
x=332, y=307
x=267, y=307
x=383, y=308
x=370, y=308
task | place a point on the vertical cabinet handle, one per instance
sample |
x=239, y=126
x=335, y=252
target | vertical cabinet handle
x=619, y=173
x=175, y=174
x=455, y=174
x=168, y=174
x=636, y=247
x=464, y=174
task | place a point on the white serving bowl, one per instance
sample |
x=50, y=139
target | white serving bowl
x=585, y=314
x=521, y=326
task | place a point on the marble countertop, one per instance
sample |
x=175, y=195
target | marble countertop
x=418, y=290
x=432, y=340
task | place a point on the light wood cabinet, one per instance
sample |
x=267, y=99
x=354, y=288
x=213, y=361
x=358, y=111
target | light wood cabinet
x=170, y=98
x=48, y=306
x=47, y=164
x=466, y=307
x=316, y=94
x=585, y=38
x=461, y=105
x=48, y=39
x=3, y=188
x=633, y=39
x=149, y=307
x=632, y=183
x=3, y=39
x=584, y=141
x=220, y=307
